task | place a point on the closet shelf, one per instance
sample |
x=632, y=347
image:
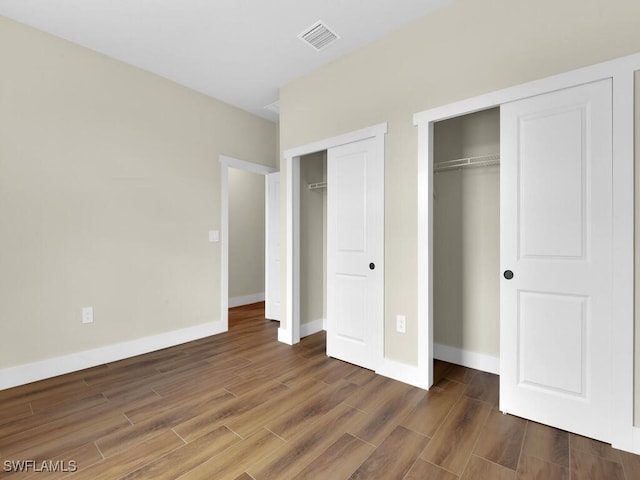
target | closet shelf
x=482, y=161
x=315, y=186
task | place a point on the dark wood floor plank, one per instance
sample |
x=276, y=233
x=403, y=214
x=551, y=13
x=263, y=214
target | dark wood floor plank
x=377, y=392
x=360, y=376
x=253, y=420
x=297, y=370
x=453, y=443
x=532, y=468
x=187, y=457
x=631, y=464
x=288, y=461
x=297, y=418
x=228, y=410
x=431, y=411
x=585, y=466
x=190, y=402
x=241, y=386
x=41, y=418
x=385, y=416
x=481, y=469
x=131, y=460
x=108, y=416
x=458, y=373
x=485, y=387
x=237, y=458
x=546, y=443
x=335, y=370
x=422, y=470
x=64, y=438
x=594, y=447
x=501, y=439
x=78, y=458
x=78, y=401
x=15, y=413
x=394, y=457
x=128, y=437
x=341, y=459
x=194, y=384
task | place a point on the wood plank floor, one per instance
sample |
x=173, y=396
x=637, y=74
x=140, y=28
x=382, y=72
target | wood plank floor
x=242, y=406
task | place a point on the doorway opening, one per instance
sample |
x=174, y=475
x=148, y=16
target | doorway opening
x=351, y=170
x=466, y=240
x=227, y=163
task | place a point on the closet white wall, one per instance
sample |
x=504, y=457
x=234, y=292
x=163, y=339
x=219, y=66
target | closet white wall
x=466, y=238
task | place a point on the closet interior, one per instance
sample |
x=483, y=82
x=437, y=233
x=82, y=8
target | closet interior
x=313, y=242
x=466, y=269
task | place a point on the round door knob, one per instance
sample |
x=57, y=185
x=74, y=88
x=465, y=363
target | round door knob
x=508, y=274
x=372, y=266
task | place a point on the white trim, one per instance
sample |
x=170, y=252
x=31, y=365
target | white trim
x=355, y=136
x=272, y=309
x=283, y=335
x=312, y=327
x=224, y=244
x=467, y=358
x=51, y=367
x=289, y=333
x=537, y=87
x=621, y=71
x=622, y=328
x=246, y=300
x=226, y=163
x=246, y=166
x=635, y=433
x=402, y=372
x=425, y=237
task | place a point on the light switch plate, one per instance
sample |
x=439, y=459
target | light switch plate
x=214, y=236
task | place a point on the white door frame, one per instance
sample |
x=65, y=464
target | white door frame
x=225, y=164
x=289, y=333
x=624, y=435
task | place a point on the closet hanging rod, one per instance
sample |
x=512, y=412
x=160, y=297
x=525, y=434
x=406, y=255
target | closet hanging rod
x=481, y=161
x=315, y=186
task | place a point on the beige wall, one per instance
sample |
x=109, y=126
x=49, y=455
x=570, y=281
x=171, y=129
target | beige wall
x=109, y=182
x=463, y=50
x=246, y=233
x=466, y=265
x=313, y=230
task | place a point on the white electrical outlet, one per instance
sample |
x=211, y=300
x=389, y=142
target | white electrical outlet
x=401, y=324
x=87, y=314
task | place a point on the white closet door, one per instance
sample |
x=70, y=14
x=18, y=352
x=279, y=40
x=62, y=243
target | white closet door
x=272, y=246
x=355, y=252
x=556, y=239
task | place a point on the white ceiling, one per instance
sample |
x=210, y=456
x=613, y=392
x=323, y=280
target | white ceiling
x=238, y=51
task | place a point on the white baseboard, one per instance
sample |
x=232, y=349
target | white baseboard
x=31, y=372
x=246, y=300
x=310, y=328
x=403, y=373
x=479, y=361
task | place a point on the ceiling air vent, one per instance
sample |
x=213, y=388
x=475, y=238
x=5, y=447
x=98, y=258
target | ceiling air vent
x=318, y=36
x=273, y=107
